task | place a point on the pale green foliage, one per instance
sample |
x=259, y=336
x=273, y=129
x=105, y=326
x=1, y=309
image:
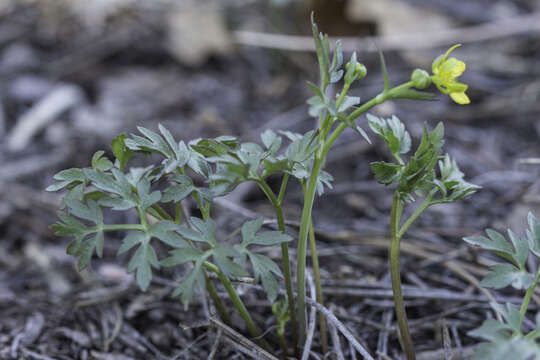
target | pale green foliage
x=418, y=174
x=222, y=162
x=203, y=169
x=505, y=339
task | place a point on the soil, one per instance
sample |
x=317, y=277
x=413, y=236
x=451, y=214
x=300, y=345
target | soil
x=121, y=74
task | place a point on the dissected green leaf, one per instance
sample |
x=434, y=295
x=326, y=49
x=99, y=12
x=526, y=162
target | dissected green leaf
x=177, y=154
x=184, y=187
x=324, y=180
x=166, y=231
x=533, y=234
x=502, y=275
x=268, y=238
x=517, y=348
x=386, y=173
x=121, y=151
x=271, y=141
x=496, y=243
x=505, y=340
x=194, y=279
x=142, y=262
x=249, y=229
x=101, y=163
x=418, y=173
x=146, y=198
x=348, y=102
x=303, y=148
x=221, y=254
x=452, y=184
x=492, y=330
x=182, y=256
x=393, y=132
x=263, y=269
x=67, y=177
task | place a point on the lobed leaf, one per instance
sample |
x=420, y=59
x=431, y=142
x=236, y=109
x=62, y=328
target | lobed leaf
x=121, y=151
x=502, y=275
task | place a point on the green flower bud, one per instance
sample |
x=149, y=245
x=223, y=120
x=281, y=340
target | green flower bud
x=420, y=79
x=359, y=72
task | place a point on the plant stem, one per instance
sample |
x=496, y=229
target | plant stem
x=239, y=304
x=395, y=219
x=178, y=215
x=222, y=311
x=318, y=288
x=220, y=307
x=419, y=210
x=162, y=212
x=119, y=227
x=283, y=345
x=309, y=197
x=276, y=203
x=527, y=298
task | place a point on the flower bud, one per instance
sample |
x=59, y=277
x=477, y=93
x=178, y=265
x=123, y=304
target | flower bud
x=420, y=79
x=358, y=72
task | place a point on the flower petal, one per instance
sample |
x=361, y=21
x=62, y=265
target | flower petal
x=452, y=67
x=460, y=98
x=455, y=86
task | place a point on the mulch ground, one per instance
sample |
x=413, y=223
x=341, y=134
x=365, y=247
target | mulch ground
x=99, y=83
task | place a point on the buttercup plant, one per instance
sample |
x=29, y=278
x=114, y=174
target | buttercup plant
x=416, y=178
x=224, y=162
x=505, y=339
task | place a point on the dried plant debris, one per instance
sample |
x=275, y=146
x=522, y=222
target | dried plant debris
x=119, y=65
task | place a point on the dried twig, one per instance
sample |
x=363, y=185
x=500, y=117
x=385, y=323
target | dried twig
x=342, y=328
x=216, y=344
x=242, y=343
x=43, y=113
x=312, y=319
x=483, y=32
x=335, y=339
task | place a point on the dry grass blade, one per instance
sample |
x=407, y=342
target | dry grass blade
x=483, y=32
x=241, y=343
x=336, y=341
x=342, y=329
x=312, y=319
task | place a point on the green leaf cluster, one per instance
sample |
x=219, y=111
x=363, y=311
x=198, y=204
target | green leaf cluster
x=505, y=339
x=515, y=252
x=418, y=175
x=229, y=259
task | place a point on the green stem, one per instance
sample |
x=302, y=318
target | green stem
x=419, y=210
x=309, y=197
x=238, y=303
x=342, y=95
x=119, y=227
x=283, y=345
x=178, y=215
x=395, y=219
x=282, y=189
x=317, y=275
x=220, y=307
x=382, y=97
x=276, y=203
x=222, y=311
x=162, y=212
x=527, y=298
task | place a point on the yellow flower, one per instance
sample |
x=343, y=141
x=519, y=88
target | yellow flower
x=445, y=74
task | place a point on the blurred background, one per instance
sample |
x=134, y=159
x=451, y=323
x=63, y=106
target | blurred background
x=74, y=74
